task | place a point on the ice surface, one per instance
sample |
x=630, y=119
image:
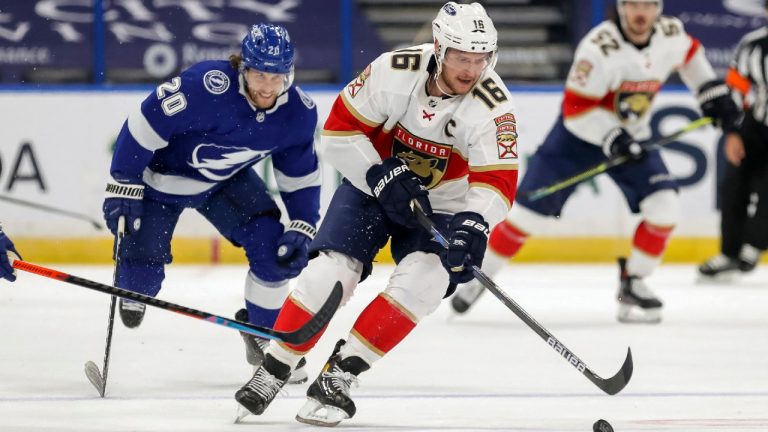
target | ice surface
x=703, y=368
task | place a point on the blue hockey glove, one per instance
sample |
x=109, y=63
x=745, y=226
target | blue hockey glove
x=293, y=247
x=395, y=185
x=467, y=240
x=7, y=251
x=619, y=143
x=716, y=102
x=123, y=199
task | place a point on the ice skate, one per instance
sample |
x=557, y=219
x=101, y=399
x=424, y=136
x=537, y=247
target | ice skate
x=721, y=268
x=258, y=393
x=637, y=303
x=132, y=313
x=256, y=346
x=466, y=296
x=328, y=398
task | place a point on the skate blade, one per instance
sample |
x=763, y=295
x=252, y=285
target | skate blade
x=317, y=414
x=720, y=278
x=242, y=413
x=298, y=376
x=94, y=376
x=631, y=314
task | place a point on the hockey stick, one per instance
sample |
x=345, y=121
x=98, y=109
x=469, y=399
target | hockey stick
x=611, y=385
x=298, y=336
x=96, y=378
x=614, y=161
x=54, y=210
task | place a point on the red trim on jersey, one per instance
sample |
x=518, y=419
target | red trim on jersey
x=383, y=325
x=503, y=180
x=506, y=239
x=342, y=120
x=291, y=317
x=695, y=44
x=651, y=239
x=575, y=103
x=737, y=81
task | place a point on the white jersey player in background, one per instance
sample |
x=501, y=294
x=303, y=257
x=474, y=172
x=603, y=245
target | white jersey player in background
x=431, y=123
x=618, y=68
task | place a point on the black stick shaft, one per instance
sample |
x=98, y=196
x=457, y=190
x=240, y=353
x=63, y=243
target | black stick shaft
x=611, y=385
x=53, y=210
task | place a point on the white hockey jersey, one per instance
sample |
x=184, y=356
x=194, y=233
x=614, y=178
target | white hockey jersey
x=464, y=149
x=612, y=82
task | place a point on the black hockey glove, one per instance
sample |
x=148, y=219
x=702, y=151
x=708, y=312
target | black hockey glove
x=619, y=143
x=467, y=240
x=716, y=102
x=7, y=251
x=293, y=247
x=395, y=185
x=123, y=199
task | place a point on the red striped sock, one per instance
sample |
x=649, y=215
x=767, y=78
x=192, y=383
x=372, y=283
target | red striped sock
x=291, y=317
x=651, y=239
x=506, y=239
x=383, y=324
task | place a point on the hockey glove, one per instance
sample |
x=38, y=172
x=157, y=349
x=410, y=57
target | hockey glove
x=123, y=199
x=716, y=102
x=467, y=240
x=619, y=143
x=395, y=185
x=7, y=251
x=293, y=247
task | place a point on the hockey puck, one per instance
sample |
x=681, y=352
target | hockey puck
x=602, y=426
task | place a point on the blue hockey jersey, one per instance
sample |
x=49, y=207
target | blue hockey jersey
x=199, y=129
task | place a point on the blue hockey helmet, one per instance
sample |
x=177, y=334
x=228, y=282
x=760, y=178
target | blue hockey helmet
x=268, y=48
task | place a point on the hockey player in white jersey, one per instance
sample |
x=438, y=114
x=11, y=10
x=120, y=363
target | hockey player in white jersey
x=618, y=68
x=431, y=123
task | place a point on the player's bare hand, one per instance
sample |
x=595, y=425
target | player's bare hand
x=734, y=148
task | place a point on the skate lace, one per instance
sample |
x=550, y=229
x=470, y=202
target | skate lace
x=265, y=384
x=132, y=306
x=718, y=261
x=341, y=381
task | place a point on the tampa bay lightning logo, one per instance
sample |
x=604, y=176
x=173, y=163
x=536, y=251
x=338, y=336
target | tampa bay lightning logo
x=219, y=163
x=216, y=81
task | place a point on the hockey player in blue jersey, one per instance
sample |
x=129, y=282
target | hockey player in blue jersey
x=192, y=144
x=7, y=252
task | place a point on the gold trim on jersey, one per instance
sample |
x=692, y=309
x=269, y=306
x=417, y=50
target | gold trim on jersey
x=493, y=189
x=326, y=132
x=425, y=158
x=352, y=110
x=486, y=168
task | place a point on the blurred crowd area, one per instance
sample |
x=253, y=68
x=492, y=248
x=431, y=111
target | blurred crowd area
x=146, y=41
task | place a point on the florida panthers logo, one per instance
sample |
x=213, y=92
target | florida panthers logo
x=633, y=99
x=219, y=163
x=427, y=159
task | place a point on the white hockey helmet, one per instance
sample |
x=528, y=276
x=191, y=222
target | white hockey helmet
x=620, y=5
x=465, y=27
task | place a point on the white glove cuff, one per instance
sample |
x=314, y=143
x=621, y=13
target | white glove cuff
x=303, y=227
x=116, y=189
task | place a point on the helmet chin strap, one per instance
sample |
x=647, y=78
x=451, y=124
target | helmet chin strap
x=436, y=78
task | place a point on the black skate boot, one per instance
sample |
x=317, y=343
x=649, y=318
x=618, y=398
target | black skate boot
x=466, y=295
x=328, y=399
x=256, y=346
x=132, y=313
x=637, y=303
x=258, y=393
x=720, y=268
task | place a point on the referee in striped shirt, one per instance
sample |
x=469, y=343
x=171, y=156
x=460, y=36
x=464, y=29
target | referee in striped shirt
x=745, y=231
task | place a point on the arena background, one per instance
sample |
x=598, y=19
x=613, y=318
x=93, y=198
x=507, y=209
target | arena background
x=71, y=70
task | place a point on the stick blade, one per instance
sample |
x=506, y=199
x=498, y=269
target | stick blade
x=319, y=320
x=617, y=382
x=94, y=376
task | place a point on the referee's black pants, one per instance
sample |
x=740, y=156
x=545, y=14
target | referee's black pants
x=737, y=225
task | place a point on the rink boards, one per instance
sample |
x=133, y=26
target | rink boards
x=56, y=150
